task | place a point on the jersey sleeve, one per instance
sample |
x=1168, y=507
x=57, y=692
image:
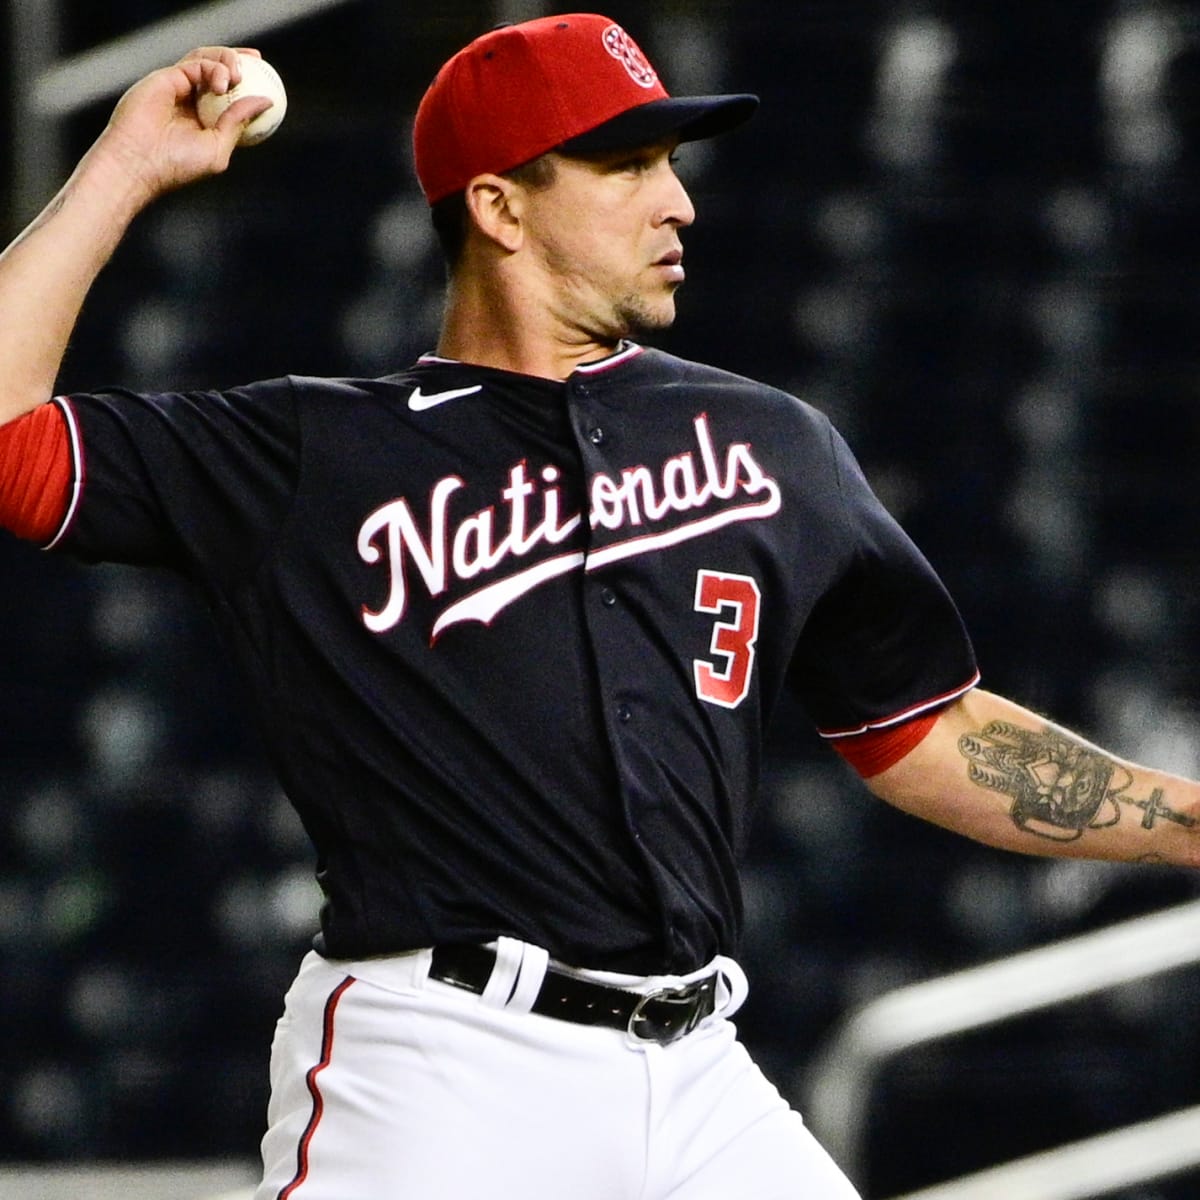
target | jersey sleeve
x=885, y=642
x=873, y=751
x=197, y=482
x=35, y=474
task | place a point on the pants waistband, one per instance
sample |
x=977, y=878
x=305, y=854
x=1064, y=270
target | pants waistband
x=521, y=978
x=662, y=1016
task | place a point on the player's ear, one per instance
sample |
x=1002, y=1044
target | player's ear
x=494, y=208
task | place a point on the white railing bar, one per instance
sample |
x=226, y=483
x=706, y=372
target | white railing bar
x=215, y=1179
x=36, y=141
x=844, y=1069
x=1088, y=1169
x=91, y=75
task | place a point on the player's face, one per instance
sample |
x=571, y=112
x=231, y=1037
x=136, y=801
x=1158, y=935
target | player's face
x=606, y=235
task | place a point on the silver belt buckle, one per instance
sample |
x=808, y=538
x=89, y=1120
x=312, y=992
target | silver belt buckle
x=643, y=1028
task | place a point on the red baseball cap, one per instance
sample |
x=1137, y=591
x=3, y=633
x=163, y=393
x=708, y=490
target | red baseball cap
x=575, y=83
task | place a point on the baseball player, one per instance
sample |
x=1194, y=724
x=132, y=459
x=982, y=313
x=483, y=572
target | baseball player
x=515, y=618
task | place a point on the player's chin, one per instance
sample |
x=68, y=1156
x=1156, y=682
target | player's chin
x=643, y=316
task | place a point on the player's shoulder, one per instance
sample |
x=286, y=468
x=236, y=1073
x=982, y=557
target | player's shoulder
x=314, y=390
x=718, y=386
x=326, y=402
x=333, y=389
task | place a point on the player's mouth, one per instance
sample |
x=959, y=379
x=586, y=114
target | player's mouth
x=672, y=264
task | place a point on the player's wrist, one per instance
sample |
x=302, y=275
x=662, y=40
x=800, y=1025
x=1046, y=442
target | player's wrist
x=112, y=183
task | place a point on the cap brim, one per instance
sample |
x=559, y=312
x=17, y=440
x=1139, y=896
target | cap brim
x=691, y=117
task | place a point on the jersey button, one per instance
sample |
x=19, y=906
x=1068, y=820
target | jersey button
x=596, y=435
x=608, y=597
x=624, y=714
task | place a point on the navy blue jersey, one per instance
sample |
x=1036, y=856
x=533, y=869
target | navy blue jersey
x=513, y=642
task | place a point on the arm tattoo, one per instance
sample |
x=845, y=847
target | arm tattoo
x=1059, y=787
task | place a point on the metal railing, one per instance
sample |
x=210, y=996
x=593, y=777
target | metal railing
x=1086, y=1170
x=218, y=1180
x=845, y=1070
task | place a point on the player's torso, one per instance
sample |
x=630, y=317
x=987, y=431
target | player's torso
x=514, y=640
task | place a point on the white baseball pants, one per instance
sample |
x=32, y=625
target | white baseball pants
x=387, y=1085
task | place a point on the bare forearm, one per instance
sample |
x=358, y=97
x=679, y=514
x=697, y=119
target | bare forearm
x=46, y=273
x=997, y=772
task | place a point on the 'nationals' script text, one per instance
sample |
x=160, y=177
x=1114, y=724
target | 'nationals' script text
x=648, y=502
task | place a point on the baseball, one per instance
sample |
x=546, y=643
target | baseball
x=259, y=78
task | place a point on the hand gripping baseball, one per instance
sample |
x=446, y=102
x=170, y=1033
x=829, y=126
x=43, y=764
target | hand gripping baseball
x=156, y=130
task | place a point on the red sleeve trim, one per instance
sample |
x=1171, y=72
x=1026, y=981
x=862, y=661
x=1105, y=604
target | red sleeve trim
x=875, y=750
x=36, y=491
x=906, y=714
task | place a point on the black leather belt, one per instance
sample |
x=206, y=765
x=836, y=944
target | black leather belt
x=662, y=1016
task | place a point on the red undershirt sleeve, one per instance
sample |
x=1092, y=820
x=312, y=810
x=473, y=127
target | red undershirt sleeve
x=35, y=473
x=875, y=750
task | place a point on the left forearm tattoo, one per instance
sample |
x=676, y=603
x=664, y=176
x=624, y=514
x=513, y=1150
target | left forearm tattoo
x=1059, y=787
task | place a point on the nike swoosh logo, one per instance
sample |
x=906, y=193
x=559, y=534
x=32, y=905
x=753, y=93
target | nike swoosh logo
x=419, y=401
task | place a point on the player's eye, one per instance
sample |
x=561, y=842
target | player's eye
x=642, y=162
x=635, y=164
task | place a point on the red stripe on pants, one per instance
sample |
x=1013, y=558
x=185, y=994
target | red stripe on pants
x=318, y=1103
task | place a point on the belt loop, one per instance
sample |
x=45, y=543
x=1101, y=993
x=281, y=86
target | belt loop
x=517, y=975
x=529, y=978
x=732, y=985
x=503, y=980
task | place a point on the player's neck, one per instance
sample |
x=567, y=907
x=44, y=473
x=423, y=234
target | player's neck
x=494, y=328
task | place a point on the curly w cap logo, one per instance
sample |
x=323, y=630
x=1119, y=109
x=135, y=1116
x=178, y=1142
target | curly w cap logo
x=626, y=51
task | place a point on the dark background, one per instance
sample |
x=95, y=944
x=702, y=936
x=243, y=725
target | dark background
x=965, y=230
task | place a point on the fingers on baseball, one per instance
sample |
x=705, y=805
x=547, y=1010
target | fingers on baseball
x=216, y=68
x=241, y=112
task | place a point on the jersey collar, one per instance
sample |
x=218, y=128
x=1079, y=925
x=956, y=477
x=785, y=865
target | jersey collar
x=623, y=353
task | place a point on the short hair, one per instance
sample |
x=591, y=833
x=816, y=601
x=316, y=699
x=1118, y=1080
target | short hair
x=450, y=217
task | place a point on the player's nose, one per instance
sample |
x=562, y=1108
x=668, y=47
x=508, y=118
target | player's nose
x=677, y=208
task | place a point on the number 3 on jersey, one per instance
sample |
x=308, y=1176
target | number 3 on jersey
x=737, y=597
